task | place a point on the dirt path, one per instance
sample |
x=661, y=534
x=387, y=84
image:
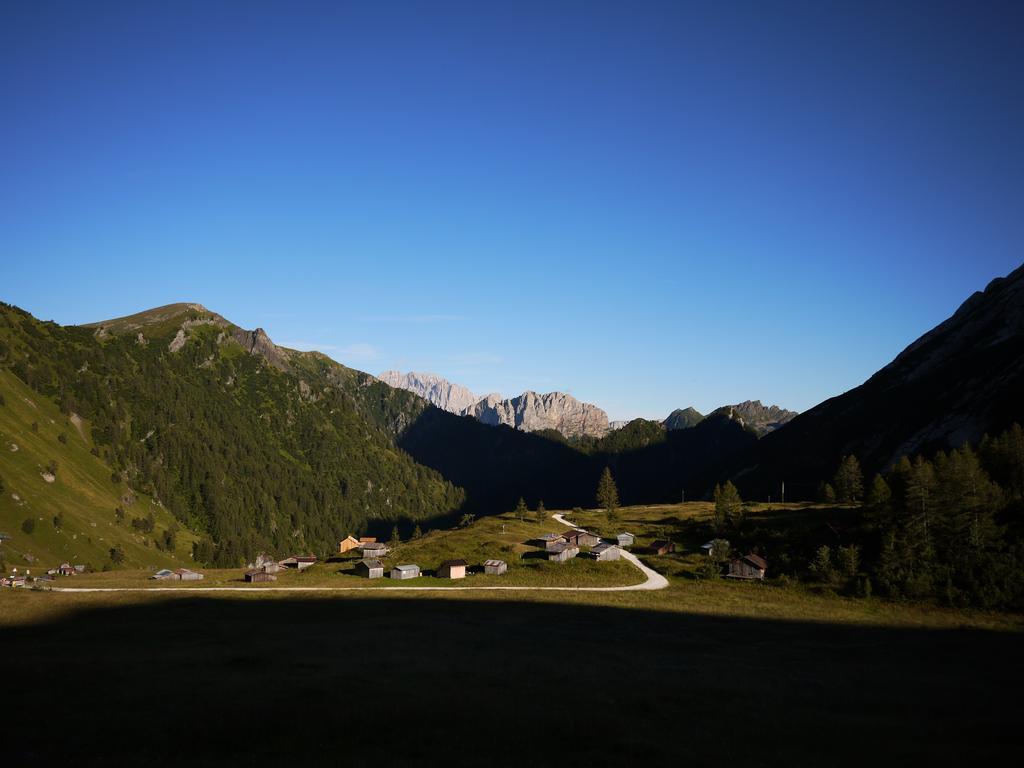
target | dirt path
x=654, y=580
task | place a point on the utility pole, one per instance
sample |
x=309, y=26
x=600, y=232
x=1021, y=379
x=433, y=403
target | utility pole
x=783, y=491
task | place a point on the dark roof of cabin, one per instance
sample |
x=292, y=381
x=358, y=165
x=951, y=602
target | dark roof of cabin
x=453, y=563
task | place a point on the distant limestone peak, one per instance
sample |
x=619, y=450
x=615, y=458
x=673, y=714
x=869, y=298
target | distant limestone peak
x=756, y=416
x=437, y=391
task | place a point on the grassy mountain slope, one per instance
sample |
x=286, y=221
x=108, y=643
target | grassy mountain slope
x=250, y=445
x=82, y=494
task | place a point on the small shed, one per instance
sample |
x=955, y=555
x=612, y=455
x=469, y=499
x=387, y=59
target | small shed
x=164, y=574
x=410, y=571
x=257, y=575
x=452, y=569
x=186, y=575
x=751, y=567
x=373, y=549
x=625, y=539
x=562, y=552
x=661, y=547
x=587, y=539
x=346, y=544
x=66, y=569
x=605, y=552
x=552, y=540
x=298, y=562
x=495, y=567
x=79, y=569
x=370, y=569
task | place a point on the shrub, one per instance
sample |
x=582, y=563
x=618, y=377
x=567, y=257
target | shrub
x=28, y=525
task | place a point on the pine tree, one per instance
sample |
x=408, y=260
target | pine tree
x=849, y=481
x=521, y=509
x=542, y=514
x=417, y=533
x=880, y=493
x=607, y=493
x=728, y=507
x=826, y=493
x=395, y=538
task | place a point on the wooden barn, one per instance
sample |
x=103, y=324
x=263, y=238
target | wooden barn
x=605, y=552
x=551, y=540
x=346, y=544
x=661, y=547
x=495, y=567
x=409, y=571
x=581, y=538
x=751, y=567
x=373, y=549
x=184, y=574
x=257, y=575
x=370, y=569
x=452, y=569
x=625, y=539
x=562, y=552
x=298, y=562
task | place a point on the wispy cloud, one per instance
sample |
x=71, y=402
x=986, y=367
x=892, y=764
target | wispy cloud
x=360, y=350
x=411, y=319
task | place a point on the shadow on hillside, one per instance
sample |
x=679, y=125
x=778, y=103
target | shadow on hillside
x=382, y=681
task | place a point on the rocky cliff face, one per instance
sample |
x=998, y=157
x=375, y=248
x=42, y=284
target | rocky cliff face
x=437, y=391
x=531, y=412
x=753, y=415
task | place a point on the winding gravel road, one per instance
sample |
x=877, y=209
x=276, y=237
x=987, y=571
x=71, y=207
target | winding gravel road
x=654, y=581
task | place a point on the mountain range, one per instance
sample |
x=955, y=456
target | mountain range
x=239, y=445
x=561, y=412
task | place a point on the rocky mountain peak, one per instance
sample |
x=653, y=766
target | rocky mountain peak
x=436, y=390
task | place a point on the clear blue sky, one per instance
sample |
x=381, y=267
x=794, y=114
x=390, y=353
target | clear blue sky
x=649, y=205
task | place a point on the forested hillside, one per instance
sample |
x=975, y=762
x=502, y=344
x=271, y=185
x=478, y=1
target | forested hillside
x=251, y=446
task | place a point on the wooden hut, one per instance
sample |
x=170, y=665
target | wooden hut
x=551, y=540
x=184, y=574
x=257, y=575
x=562, y=552
x=661, y=547
x=410, y=571
x=370, y=569
x=587, y=539
x=751, y=567
x=298, y=562
x=452, y=569
x=625, y=539
x=605, y=552
x=346, y=544
x=373, y=549
x=495, y=567
x=66, y=569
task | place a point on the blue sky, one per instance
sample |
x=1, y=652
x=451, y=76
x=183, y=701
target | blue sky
x=648, y=205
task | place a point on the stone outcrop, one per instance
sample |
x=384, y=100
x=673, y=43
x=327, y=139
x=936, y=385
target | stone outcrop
x=762, y=419
x=531, y=412
x=437, y=391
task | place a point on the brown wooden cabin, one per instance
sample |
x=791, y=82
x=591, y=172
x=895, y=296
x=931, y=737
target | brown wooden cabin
x=257, y=575
x=751, y=567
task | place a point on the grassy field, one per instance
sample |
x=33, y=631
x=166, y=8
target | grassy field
x=82, y=493
x=701, y=672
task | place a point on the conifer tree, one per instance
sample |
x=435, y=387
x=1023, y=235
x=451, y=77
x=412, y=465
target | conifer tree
x=849, y=481
x=417, y=533
x=395, y=538
x=542, y=514
x=880, y=493
x=521, y=509
x=607, y=493
x=826, y=493
x=728, y=506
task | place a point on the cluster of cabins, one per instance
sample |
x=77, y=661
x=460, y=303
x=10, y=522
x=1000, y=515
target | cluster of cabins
x=266, y=568
x=16, y=579
x=561, y=547
x=180, y=574
x=370, y=566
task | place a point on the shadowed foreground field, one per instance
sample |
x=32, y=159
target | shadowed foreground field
x=381, y=681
